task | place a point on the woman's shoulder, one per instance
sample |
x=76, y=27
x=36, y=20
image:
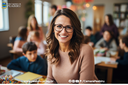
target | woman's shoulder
x=85, y=48
x=86, y=52
x=19, y=38
x=113, y=41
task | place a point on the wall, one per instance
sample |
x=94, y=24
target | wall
x=108, y=4
x=16, y=19
x=59, y=2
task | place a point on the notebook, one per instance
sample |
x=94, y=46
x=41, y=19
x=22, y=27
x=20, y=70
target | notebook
x=28, y=77
x=14, y=73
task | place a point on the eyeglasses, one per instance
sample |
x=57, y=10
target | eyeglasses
x=59, y=27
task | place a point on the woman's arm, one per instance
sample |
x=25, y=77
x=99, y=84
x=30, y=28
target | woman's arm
x=50, y=78
x=113, y=46
x=18, y=46
x=87, y=66
x=99, y=43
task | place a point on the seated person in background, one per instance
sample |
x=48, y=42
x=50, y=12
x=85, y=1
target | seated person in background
x=34, y=36
x=34, y=26
x=21, y=39
x=107, y=43
x=30, y=61
x=86, y=39
x=122, y=63
x=88, y=32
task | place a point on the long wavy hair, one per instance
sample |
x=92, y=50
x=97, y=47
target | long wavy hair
x=110, y=19
x=75, y=42
x=22, y=32
x=29, y=27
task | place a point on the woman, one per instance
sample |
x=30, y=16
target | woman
x=109, y=25
x=107, y=43
x=20, y=39
x=33, y=26
x=68, y=58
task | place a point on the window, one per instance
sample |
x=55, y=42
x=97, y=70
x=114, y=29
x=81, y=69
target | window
x=68, y=4
x=38, y=11
x=4, y=20
x=46, y=7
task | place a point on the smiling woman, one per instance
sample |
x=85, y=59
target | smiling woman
x=66, y=52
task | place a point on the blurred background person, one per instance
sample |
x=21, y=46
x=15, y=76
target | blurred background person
x=109, y=25
x=88, y=32
x=53, y=9
x=33, y=26
x=20, y=39
x=107, y=43
x=122, y=70
x=34, y=36
x=86, y=39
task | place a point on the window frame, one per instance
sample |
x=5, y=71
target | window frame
x=5, y=16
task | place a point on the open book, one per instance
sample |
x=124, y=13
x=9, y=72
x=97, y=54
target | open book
x=14, y=73
x=103, y=59
x=28, y=77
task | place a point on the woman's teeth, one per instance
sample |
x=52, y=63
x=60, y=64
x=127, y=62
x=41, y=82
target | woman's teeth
x=63, y=36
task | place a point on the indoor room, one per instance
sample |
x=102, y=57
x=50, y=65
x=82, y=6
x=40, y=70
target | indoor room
x=64, y=41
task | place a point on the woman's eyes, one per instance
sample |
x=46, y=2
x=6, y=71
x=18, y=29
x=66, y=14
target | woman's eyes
x=68, y=27
x=59, y=26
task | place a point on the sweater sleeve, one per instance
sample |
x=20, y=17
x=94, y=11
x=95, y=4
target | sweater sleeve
x=15, y=64
x=124, y=61
x=87, y=65
x=50, y=79
x=99, y=44
x=113, y=46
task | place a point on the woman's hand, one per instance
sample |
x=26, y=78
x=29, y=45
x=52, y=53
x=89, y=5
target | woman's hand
x=105, y=49
x=114, y=59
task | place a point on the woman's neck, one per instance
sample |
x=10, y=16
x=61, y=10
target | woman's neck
x=64, y=47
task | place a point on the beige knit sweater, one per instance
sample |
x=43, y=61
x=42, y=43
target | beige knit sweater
x=80, y=71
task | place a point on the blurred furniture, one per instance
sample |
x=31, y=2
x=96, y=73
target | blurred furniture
x=98, y=18
x=108, y=66
x=14, y=54
x=120, y=15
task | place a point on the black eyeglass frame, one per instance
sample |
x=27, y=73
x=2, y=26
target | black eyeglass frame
x=63, y=28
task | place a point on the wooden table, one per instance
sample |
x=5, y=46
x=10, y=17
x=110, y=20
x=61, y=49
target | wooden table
x=110, y=68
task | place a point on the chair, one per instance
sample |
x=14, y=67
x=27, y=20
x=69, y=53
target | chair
x=14, y=54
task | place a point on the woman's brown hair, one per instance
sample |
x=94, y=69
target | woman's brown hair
x=29, y=23
x=77, y=39
x=22, y=32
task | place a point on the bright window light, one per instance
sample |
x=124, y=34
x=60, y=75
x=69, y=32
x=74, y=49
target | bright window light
x=38, y=11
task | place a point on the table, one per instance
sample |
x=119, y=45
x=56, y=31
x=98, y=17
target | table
x=110, y=67
x=5, y=68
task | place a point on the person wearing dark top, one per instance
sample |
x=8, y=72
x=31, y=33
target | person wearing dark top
x=109, y=25
x=30, y=61
x=122, y=69
x=88, y=32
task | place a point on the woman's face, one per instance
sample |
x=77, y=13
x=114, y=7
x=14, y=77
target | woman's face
x=33, y=24
x=63, y=36
x=107, y=36
x=107, y=20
